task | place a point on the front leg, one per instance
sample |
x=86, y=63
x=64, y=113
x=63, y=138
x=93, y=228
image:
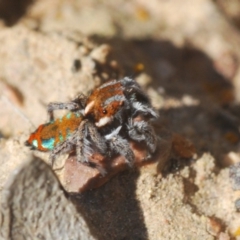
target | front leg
x=77, y=104
x=88, y=141
x=98, y=142
x=83, y=145
x=120, y=146
x=145, y=110
x=143, y=131
x=71, y=106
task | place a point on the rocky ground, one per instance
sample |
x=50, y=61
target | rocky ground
x=186, y=57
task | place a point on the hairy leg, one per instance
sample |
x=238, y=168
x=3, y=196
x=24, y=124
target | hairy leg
x=144, y=109
x=138, y=100
x=89, y=140
x=120, y=146
x=97, y=140
x=143, y=131
x=76, y=104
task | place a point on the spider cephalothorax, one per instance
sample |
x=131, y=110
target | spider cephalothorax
x=116, y=100
x=104, y=121
x=119, y=103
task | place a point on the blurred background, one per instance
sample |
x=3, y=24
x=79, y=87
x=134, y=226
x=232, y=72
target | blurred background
x=185, y=54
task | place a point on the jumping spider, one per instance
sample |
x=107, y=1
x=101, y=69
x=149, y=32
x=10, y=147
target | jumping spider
x=123, y=103
x=113, y=114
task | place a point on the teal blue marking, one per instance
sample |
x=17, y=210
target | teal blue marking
x=77, y=114
x=69, y=115
x=35, y=143
x=61, y=138
x=48, y=143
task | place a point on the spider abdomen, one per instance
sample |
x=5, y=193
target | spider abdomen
x=49, y=135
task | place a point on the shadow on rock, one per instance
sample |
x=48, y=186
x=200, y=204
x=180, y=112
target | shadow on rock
x=34, y=206
x=112, y=211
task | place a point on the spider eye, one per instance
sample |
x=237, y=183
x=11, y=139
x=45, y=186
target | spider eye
x=104, y=111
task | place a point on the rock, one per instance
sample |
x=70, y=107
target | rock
x=34, y=206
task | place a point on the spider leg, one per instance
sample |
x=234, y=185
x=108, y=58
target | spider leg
x=83, y=145
x=144, y=109
x=77, y=103
x=97, y=140
x=81, y=100
x=120, y=145
x=143, y=131
x=138, y=100
x=71, y=106
x=62, y=148
x=88, y=139
x=134, y=90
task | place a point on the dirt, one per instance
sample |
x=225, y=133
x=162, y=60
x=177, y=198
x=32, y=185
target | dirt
x=184, y=55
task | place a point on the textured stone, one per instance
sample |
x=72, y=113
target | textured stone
x=34, y=206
